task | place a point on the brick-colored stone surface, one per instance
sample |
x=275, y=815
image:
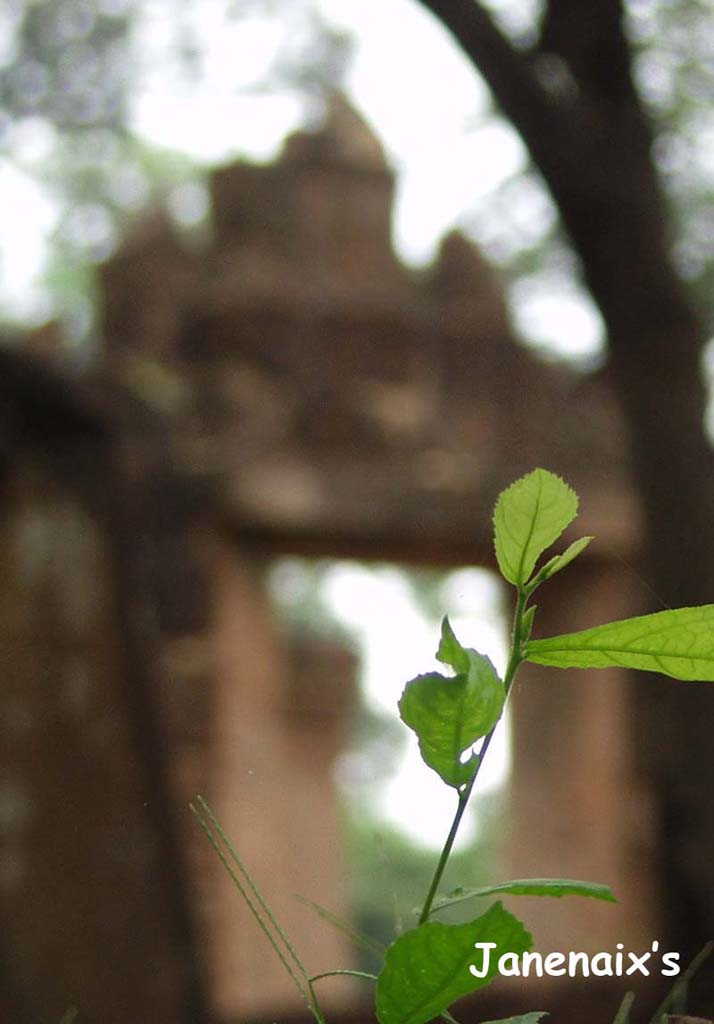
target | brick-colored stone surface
x=338, y=401
x=285, y=384
x=84, y=901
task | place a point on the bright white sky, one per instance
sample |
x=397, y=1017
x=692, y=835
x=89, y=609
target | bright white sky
x=429, y=108
x=432, y=114
x=397, y=641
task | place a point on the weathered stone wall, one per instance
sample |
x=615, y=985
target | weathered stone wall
x=288, y=386
x=280, y=717
x=84, y=900
x=338, y=400
x=578, y=809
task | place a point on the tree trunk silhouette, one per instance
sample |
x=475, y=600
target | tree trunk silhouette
x=572, y=99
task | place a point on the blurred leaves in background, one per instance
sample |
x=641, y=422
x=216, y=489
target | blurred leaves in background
x=71, y=72
x=71, y=75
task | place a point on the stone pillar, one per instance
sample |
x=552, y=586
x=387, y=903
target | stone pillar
x=87, y=908
x=278, y=722
x=578, y=809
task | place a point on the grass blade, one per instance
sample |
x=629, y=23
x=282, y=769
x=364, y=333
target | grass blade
x=213, y=839
x=445, y=1015
x=678, y=990
x=358, y=937
x=623, y=1014
x=253, y=887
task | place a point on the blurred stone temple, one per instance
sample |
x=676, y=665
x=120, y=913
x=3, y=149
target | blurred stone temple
x=284, y=385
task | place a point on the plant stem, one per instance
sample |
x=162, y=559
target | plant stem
x=351, y=974
x=515, y=658
x=463, y=799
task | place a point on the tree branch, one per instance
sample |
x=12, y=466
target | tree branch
x=591, y=144
x=589, y=37
x=535, y=114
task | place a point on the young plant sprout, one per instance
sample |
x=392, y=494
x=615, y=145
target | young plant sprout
x=431, y=965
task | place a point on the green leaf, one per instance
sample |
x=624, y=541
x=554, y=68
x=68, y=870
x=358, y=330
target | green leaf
x=527, y=621
x=449, y=714
x=559, y=562
x=678, y=643
x=523, y=1018
x=427, y=968
x=529, y=516
x=450, y=650
x=346, y=972
x=530, y=887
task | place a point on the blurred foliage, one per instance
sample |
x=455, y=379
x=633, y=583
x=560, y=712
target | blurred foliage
x=296, y=588
x=388, y=872
x=376, y=745
x=66, y=61
x=66, y=77
x=673, y=65
x=70, y=73
x=673, y=44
